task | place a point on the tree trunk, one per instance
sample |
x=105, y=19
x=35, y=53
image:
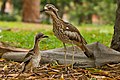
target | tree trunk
x=3, y=7
x=31, y=11
x=115, y=44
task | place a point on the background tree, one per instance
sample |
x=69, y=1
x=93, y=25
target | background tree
x=105, y=11
x=115, y=44
x=31, y=11
x=3, y=6
x=85, y=9
x=17, y=6
x=76, y=11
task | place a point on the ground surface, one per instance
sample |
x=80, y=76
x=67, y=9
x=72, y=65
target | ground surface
x=55, y=71
x=17, y=34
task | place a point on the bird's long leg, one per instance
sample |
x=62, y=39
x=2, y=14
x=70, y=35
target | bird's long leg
x=22, y=70
x=18, y=75
x=31, y=69
x=65, y=49
x=73, y=54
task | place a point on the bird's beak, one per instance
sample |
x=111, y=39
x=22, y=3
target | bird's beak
x=45, y=37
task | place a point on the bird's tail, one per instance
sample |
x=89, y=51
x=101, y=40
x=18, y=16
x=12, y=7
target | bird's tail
x=87, y=51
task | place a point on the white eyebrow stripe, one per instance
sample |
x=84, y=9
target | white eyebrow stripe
x=45, y=7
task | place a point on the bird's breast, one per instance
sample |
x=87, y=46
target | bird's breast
x=36, y=60
x=59, y=33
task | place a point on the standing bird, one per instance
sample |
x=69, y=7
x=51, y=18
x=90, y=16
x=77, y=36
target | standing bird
x=33, y=57
x=66, y=32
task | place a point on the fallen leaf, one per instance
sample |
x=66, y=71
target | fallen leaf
x=52, y=72
x=62, y=77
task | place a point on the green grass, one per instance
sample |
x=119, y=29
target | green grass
x=22, y=34
x=25, y=39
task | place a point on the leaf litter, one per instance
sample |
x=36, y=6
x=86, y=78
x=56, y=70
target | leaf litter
x=10, y=69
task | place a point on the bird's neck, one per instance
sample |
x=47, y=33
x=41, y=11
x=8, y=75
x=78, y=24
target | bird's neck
x=36, y=46
x=55, y=17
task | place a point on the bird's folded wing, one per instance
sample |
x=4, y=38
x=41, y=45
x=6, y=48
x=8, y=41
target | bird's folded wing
x=73, y=33
x=28, y=57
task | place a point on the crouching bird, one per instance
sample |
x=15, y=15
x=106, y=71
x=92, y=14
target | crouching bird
x=33, y=57
x=66, y=32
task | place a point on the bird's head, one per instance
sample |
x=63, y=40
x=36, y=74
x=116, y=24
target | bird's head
x=50, y=9
x=39, y=36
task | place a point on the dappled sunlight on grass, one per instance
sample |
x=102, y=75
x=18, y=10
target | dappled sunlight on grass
x=22, y=34
x=25, y=26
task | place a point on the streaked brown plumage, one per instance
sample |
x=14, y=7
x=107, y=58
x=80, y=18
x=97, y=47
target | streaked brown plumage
x=33, y=57
x=66, y=32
